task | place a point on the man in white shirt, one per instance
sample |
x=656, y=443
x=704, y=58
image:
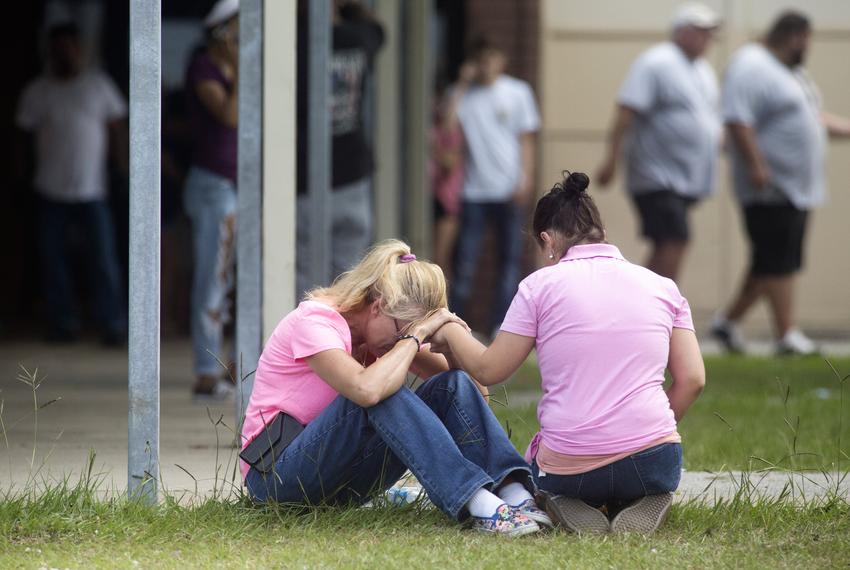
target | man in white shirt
x=499, y=119
x=778, y=130
x=73, y=116
x=668, y=118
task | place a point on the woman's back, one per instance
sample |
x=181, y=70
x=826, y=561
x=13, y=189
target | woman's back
x=602, y=327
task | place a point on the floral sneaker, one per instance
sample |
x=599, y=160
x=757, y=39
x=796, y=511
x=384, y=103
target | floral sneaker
x=506, y=522
x=530, y=509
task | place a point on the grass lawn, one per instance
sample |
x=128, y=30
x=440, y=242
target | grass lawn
x=755, y=412
x=787, y=411
x=68, y=530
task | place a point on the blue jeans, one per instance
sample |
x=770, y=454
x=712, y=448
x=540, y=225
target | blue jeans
x=95, y=221
x=444, y=433
x=475, y=217
x=210, y=203
x=649, y=472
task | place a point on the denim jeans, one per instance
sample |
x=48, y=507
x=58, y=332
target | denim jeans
x=444, y=433
x=210, y=203
x=649, y=472
x=351, y=231
x=95, y=222
x=505, y=217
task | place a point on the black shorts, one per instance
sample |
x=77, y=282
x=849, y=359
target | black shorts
x=776, y=235
x=664, y=215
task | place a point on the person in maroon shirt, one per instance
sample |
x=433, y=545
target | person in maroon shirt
x=210, y=192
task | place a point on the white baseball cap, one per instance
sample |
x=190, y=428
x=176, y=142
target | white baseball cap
x=221, y=12
x=697, y=15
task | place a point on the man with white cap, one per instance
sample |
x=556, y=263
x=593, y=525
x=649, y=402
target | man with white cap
x=209, y=196
x=668, y=107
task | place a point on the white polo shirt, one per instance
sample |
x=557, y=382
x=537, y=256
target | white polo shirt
x=783, y=106
x=674, y=141
x=493, y=118
x=69, y=119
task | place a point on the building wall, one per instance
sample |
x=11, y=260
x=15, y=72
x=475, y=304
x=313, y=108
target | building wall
x=586, y=49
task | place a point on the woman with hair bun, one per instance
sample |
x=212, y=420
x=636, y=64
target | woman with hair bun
x=330, y=419
x=608, y=454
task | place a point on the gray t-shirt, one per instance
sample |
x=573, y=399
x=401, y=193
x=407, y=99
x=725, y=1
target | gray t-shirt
x=673, y=144
x=783, y=106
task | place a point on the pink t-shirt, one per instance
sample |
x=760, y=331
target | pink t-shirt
x=284, y=382
x=602, y=328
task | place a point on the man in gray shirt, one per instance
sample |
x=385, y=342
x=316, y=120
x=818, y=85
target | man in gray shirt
x=778, y=131
x=668, y=107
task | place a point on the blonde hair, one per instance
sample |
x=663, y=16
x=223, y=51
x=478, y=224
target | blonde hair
x=407, y=291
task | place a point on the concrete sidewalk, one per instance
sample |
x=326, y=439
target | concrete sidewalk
x=197, y=456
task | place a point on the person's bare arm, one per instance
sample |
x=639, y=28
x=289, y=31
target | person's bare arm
x=427, y=364
x=744, y=138
x=528, y=151
x=119, y=147
x=623, y=119
x=488, y=365
x=222, y=105
x=836, y=126
x=366, y=386
x=687, y=369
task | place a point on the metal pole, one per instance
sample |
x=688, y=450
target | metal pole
x=145, y=93
x=387, y=140
x=319, y=141
x=419, y=84
x=279, y=126
x=249, y=318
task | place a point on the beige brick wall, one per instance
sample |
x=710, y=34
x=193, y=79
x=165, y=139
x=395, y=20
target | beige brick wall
x=585, y=51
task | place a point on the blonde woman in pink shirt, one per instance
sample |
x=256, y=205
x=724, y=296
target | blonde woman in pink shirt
x=331, y=420
x=608, y=455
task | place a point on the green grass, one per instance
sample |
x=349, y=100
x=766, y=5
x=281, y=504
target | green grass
x=754, y=413
x=749, y=409
x=68, y=528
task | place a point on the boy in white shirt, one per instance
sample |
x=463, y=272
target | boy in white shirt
x=499, y=118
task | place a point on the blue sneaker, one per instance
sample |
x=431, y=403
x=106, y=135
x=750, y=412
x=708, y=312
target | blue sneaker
x=506, y=522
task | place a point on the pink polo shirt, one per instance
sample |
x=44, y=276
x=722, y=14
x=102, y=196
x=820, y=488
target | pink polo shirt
x=602, y=328
x=284, y=382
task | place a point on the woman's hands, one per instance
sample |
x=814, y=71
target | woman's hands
x=424, y=330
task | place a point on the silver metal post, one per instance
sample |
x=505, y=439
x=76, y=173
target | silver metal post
x=419, y=84
x=145, y=111
x=319, y=141
x=249, y=318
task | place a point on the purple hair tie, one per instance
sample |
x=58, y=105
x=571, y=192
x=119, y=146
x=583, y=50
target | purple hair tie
x=407, y=258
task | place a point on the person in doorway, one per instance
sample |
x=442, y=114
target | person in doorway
x=210, y=193
x=604, y=330
x=499, y=118
x=668, y=107
x=357, y=38
x=77, y=117
x=778, y=128
x=336, y=367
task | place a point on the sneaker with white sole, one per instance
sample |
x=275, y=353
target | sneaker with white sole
x=644, y=515
x=576, y=516
x=728, y=333
x=795, y=342
x=506, y=522
x=530, y=509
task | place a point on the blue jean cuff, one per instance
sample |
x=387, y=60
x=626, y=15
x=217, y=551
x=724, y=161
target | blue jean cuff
x=457, y=510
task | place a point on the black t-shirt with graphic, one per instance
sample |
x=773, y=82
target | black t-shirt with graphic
x=356, y=40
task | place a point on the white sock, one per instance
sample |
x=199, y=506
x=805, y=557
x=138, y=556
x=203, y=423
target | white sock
x=514, y=494
x=483, y=504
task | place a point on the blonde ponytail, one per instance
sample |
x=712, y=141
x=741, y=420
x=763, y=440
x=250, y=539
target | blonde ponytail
x=407, y=291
